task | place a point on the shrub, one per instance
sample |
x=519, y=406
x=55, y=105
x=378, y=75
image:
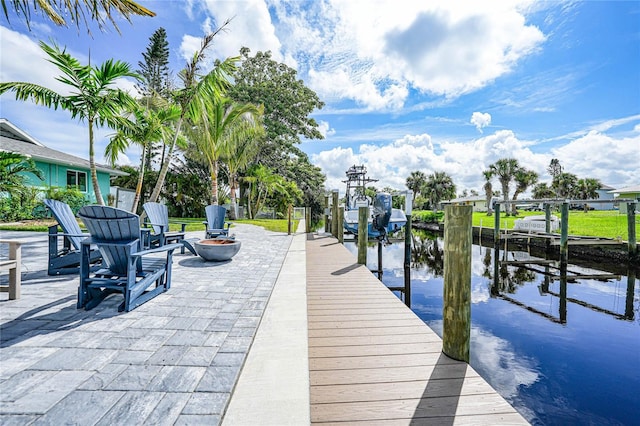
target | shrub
x=427, y=216
x=19, y=206
x=71, y=196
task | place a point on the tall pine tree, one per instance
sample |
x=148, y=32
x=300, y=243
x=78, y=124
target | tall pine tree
x=156, y=82
x=155, y=68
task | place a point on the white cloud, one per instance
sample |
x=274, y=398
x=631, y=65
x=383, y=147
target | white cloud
x=325, y=128
x=22, y=59
x=189, y=46
x=480, y=120
x=250, y=26
x=509, y=370
x=374, y=55
x=465, y=161
x=597, y=155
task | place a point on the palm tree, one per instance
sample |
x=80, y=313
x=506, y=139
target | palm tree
x=146, y=127
x=439, y=186
x=555, y=168
x=505, y=169
x=262, y=183
x=100, y=10
x=542, y=190
x=415, y=181
x=220, y=120
x=13, y=169
x=242, y=148
x=488, y=190
x=92, y=96
x=587, y=189
x=524, y=179
x=195, y=94
x=564, y=185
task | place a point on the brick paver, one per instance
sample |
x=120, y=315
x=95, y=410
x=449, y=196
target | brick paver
x=173, y=360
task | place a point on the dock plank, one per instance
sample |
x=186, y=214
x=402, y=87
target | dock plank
x=373, y=361
x=373, y=331
x=415, y=408
x=378, y=361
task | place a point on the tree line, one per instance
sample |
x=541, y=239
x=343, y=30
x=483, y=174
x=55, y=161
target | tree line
x=430, y=190
x=205, y=137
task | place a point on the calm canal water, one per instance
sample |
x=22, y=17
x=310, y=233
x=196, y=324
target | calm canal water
x=558, y=361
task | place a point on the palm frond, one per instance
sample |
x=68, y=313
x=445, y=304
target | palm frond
x=39, y=94
x=80, y=11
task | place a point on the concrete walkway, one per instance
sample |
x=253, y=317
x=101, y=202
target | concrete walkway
x=174, y=360
x=273, y=388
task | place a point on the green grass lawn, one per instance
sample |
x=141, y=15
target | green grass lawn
x=595, y=223
x=275, y=225
x=193, y=224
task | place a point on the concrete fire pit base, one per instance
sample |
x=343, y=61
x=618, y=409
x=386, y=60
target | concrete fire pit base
x=217, y=249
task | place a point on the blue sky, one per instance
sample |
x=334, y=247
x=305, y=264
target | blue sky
x=433, y=86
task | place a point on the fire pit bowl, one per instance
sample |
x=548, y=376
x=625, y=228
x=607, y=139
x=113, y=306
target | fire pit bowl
x=217, y=249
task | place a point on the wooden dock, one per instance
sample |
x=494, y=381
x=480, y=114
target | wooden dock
x=373, y=361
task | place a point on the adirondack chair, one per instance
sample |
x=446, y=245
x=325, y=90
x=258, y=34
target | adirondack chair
x=64, y=247
x=127, y=268
x=158, y=215
x=216, y=224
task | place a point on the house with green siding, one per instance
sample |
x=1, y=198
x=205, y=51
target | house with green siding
x=59, y=169
x=630, y=193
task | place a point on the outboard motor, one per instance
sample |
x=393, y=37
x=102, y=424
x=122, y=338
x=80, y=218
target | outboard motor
x=381, y=213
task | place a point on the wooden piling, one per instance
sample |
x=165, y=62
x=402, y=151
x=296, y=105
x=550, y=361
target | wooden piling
x=289, y=219
x=495, y=288
x=363, y=234
x=547, y=224
x=335, y=223
x=341, y=226
x=456, y=313
x=379, y=260
x=496, y=226
x=307, y=219
x=562, y=309
x=631, y=282
x=631, y=227
x=564, y=233
x=326, y=213
x=407, y=262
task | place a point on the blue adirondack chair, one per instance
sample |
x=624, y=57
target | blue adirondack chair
x=216, y=224
x=158, y=215
x=127, y=268
x=64, y=247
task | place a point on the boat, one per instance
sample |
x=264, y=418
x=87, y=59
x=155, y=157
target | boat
x=536, y=223
x=383, y=219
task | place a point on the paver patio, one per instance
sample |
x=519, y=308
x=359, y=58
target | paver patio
x=173, y=360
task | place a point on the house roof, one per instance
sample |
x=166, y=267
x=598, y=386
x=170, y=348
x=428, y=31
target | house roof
x=16, y=140
x=627, y=190
x=465, y=199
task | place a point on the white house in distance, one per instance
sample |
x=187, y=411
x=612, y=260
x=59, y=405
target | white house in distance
x=478, y=203
x=604, y=193
x=630, y=192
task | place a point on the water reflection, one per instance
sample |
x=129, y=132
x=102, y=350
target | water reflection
x=427, y=252
x=560, y=342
